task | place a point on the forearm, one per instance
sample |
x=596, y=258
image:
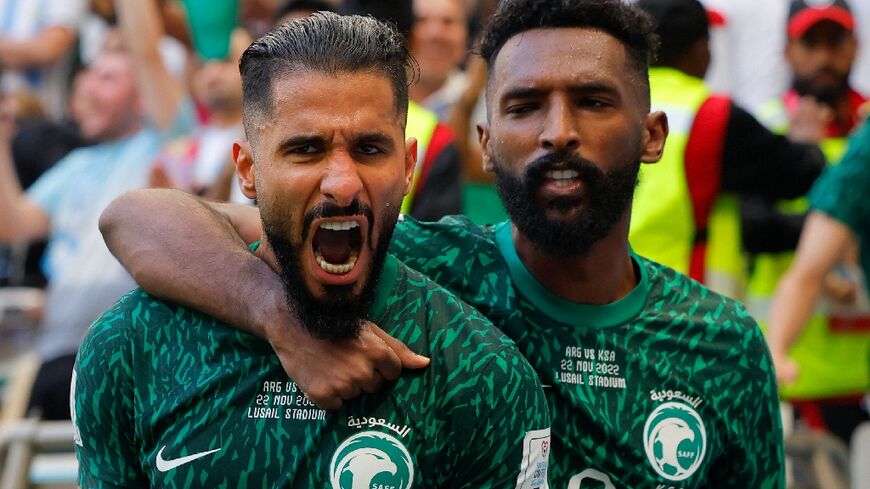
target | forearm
x=13, y=222
x=821, y=247
x=48, y=47
x=794, y=302
x=178, y=248
x=142, y=30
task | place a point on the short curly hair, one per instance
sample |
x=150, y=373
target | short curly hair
x=629, y=24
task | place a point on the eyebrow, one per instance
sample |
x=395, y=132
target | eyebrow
x=300, y=140
x=532, y=92
x=373, y=137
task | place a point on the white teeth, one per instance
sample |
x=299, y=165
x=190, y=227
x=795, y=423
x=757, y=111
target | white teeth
x=336, y=269
x=339, y=225
x=561, y=174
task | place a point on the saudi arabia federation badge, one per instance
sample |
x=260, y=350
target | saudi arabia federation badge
x=371, y=459
x=675, y=440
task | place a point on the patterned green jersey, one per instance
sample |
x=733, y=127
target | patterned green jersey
x=168, y=397
x=670, y=387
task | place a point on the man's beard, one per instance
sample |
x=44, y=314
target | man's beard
x=341, y=314
x=607, y=198
x=828, y=94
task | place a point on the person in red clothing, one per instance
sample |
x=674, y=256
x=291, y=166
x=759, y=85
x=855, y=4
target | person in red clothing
x=821, y=51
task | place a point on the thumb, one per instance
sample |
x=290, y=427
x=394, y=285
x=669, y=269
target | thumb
x=408, y=358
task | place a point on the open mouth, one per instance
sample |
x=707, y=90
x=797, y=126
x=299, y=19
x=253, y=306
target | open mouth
x=336, y=245
x=561, y=178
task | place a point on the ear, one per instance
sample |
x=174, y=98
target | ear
x=654, y=136
x=243, y=157
x=486, y=151
x=410, y=162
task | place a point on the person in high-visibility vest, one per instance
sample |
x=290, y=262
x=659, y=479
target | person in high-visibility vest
x=831, y=353
x=685, y=213
x=838, y=223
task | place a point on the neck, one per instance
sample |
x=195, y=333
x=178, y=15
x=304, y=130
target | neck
x=602, y=275
x=421, y=90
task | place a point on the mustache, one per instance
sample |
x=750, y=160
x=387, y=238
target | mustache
x=587, y=170
x=328, y=209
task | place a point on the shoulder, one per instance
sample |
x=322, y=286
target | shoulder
x=681, y=298
x=442, y=250
x=457, y=333
x=449, y=229
x=136, y=309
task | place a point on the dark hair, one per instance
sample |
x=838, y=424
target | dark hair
x=631, y=26
x=324, y=43
x=307, y=5
x=679, y=24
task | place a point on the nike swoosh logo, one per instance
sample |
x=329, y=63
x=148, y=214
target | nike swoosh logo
x=166, y=465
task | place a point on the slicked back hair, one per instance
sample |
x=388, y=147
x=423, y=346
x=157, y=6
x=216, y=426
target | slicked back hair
x=324, y=43
x=627, y=23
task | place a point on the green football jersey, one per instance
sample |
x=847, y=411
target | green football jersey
x=168, y=397
x=671, y=386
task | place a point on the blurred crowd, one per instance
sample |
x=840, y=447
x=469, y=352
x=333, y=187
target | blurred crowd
x=103, y=96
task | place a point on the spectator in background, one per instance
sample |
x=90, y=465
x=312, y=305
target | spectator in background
x=201, y=162
x=38, y=144
x=682, y=215
x=130, y=105
x=831, y=353
x=439, y=43
x=36, y=39
x=821, y=51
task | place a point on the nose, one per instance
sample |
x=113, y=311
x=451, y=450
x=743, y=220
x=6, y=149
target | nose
x=560, y=127
x=342, y=183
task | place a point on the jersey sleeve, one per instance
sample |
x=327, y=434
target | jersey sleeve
x=501, y=428
x=842, y=189
x=102, y=404
x=756, y=440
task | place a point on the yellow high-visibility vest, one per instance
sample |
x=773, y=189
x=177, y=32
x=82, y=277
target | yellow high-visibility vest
x=421, y=125
x=663, y=215
x=831, y=363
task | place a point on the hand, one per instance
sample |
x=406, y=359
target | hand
x=840, y=289
x=810, y=121
x=331, y=372
x=786, y=369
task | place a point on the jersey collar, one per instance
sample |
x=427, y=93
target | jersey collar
x=563, y=310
